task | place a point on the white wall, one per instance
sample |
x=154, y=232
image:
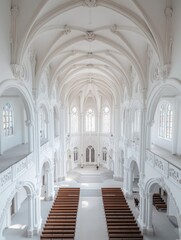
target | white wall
x=5, y=53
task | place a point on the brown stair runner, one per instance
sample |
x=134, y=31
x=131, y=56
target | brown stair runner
x=121, y=223
x=61, y=221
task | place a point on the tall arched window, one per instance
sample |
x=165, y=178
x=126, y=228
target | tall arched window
x=169, y=121
x=104, y=154
x=162, y=122
x=75, y=154
x=166, y=121
x=106, y=120
x=8, y=120
x=74, y=120
x=90, y=120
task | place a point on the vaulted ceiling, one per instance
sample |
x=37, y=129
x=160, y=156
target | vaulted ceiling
x=97, y=45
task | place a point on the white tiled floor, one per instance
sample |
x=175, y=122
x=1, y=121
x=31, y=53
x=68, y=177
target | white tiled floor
x=91, y=223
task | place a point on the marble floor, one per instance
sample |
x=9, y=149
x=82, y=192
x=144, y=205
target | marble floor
x=91, y=222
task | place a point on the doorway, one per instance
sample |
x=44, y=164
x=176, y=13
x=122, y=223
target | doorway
x=90, y=155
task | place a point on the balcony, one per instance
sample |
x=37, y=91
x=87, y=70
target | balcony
x=13, y=163
x=165, y=163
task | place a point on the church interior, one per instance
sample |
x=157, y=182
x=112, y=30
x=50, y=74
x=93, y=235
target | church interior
x=90, y=112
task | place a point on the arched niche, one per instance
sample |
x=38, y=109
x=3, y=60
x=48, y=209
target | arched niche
x=22, y=117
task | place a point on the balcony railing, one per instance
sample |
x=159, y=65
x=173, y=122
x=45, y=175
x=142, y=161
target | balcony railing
x=15, y=171
x=164, y=167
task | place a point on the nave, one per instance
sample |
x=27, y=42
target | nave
x=91, y=222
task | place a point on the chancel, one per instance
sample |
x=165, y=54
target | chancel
x=90, y=112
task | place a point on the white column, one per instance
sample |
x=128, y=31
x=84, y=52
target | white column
x=125, y=182
x=29, y=125
x=179, y=231
x=62, y=148
x=142, y=141
x=149, y=225
x=36, y=141
x=37, y=212
x=30, y=228
x=142, y=209
x=116, y=141
x=82, y=140
x=51, y=127
x=50, y=184
x=98, y=131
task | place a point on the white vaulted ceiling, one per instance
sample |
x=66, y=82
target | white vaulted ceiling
x=92, y=44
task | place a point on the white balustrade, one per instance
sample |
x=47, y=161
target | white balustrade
x=164, y=167
x=15, y=171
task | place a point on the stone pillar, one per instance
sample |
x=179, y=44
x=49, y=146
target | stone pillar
x=116, y=141
x=82, y=140
x=52, y=127
x=30, y=228
x=126, y=181
x=36, y=139
x=50, y=184
x=62, y=149
x=142, y=209
x=37, y=212
x=179, y=231
x=149, y=226
x=30, y=135
x=98, y=131
x=116, y=166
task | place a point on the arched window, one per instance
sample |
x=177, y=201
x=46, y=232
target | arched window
x=74, y=120
x=166, y=121
x=106, y=120
x=169, y=121
x=104, y=154
x=75, y=154
x=90, y=120
x=8, y=120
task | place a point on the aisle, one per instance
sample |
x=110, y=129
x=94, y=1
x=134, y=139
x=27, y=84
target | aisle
x=91, y=222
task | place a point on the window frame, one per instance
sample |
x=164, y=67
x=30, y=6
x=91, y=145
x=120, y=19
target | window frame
x=8, y=120
x=165, y=120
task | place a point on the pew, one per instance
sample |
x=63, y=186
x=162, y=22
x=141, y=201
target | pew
x=61, y=220
x=120, y=220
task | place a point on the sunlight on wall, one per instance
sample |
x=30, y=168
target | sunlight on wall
x=85, y=184
x=17, y=226
x=69, y=179
x=85, y=204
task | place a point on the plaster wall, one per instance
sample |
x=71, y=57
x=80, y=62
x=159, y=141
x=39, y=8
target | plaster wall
x=5, y=53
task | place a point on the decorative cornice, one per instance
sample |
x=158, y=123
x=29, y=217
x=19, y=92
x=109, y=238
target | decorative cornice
x=161, y=72
x=90, y=54
x=14, y=10
x=114, y=29
x=18, y=71
x=67, y=30
x=90, y=3
x=168, y=12
x=90, y=36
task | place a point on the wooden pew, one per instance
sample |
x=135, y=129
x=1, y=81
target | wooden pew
x=120, y=219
